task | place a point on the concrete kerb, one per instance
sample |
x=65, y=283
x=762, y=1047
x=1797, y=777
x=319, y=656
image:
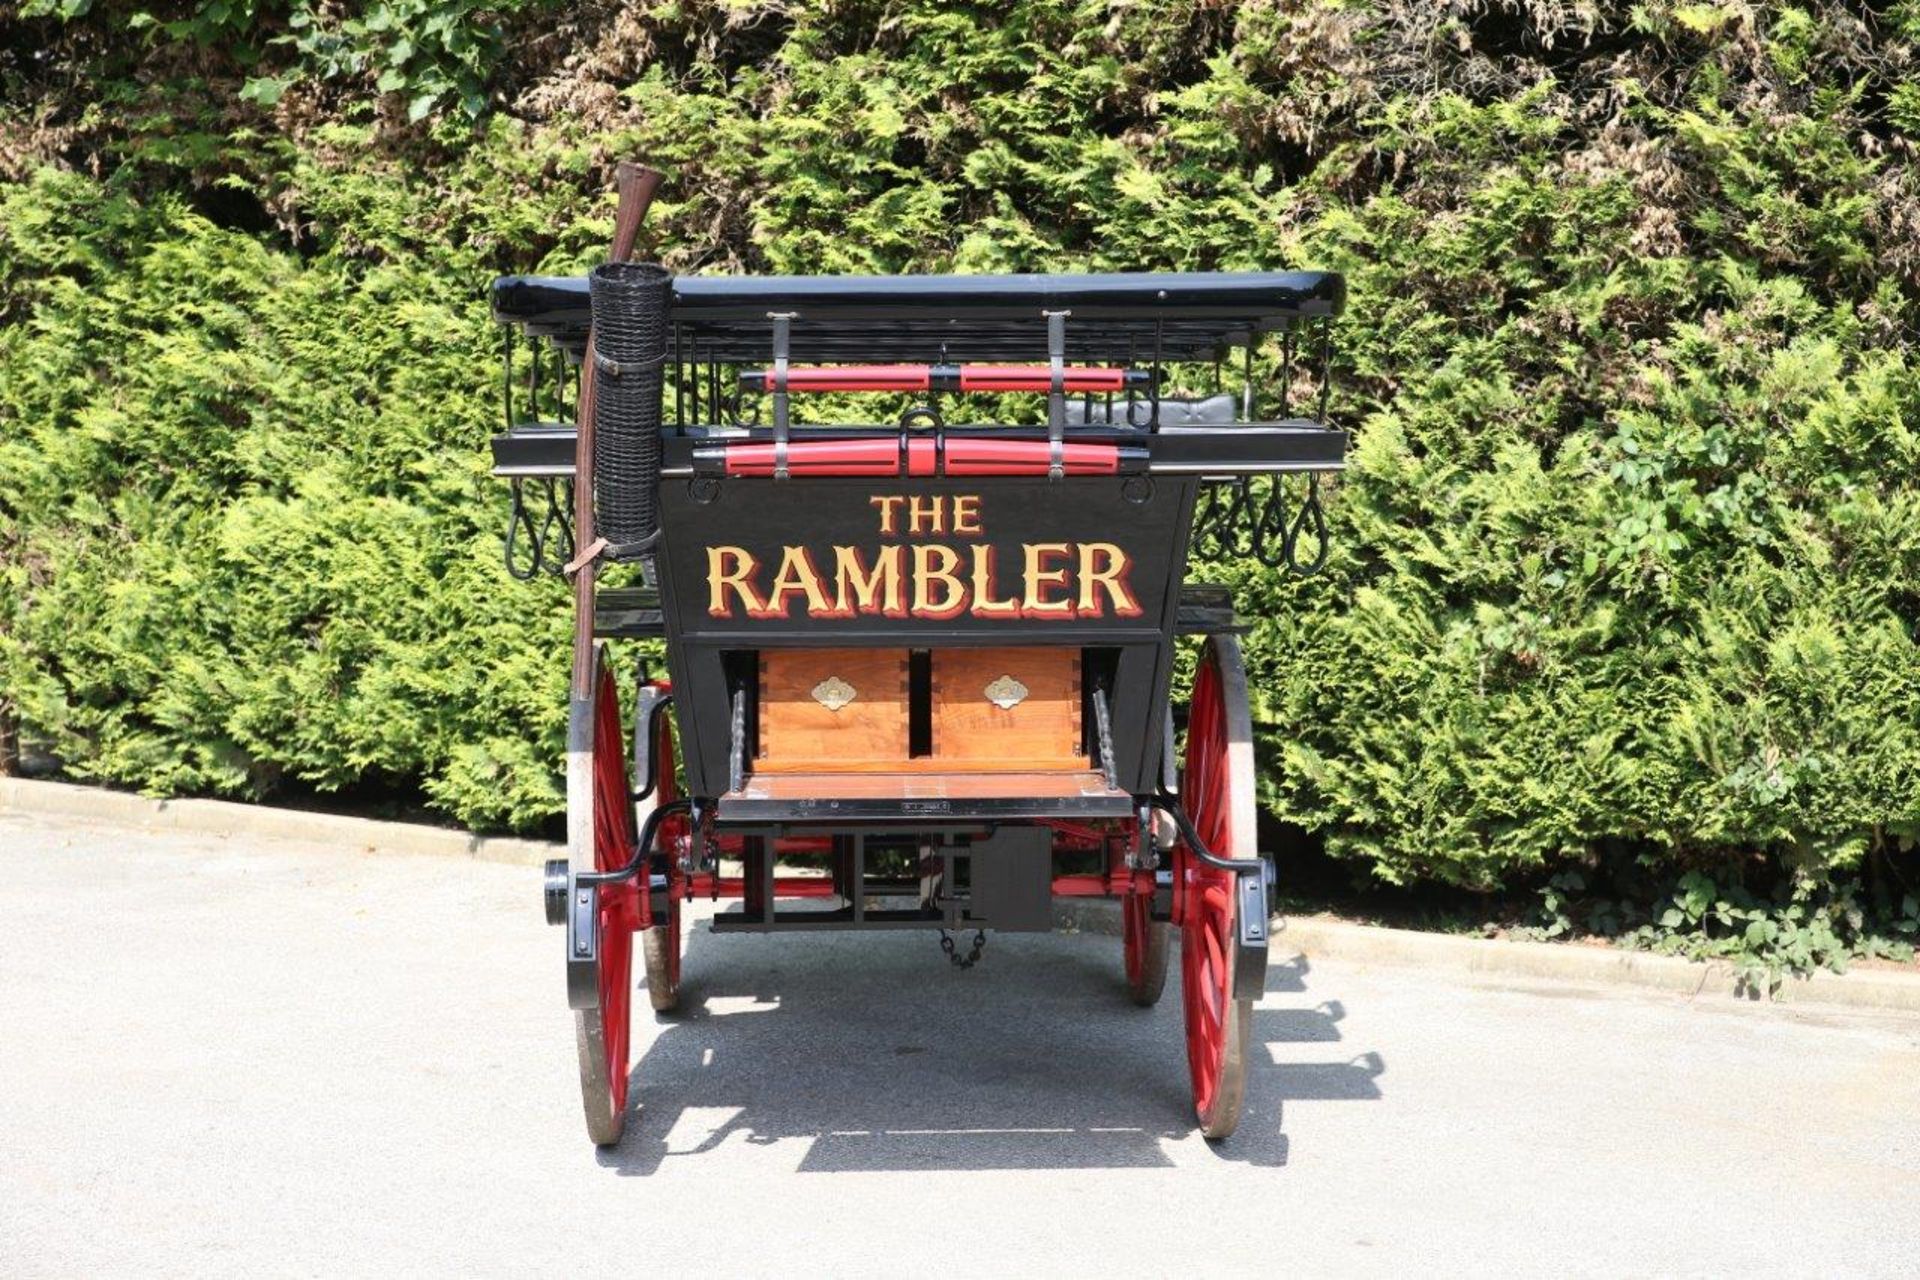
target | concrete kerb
x=1317, y=938
x=1561, y=962
x=261, y=822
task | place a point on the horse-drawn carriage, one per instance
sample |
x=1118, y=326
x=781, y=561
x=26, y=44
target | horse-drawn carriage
x=919, y=673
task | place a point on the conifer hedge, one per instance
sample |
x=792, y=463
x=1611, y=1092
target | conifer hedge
x=1627, y=563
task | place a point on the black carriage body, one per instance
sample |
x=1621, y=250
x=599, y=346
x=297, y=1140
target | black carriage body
x=812, y=584
x=1094, y=559
x=1092, y=563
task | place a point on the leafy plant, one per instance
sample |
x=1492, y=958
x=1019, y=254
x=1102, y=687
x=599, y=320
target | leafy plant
x=1806, y=922
x=432, y=53
x=1627, y=554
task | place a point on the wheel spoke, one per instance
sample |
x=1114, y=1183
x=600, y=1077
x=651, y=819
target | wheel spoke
x=661, y=941
x=1209, y=1017
x=605, y=1032
x=1216, y=958
x=1217, y=794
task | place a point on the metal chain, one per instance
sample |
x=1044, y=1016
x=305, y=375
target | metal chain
x=1310, y=523
x=549, y=541
x=972, y=957
x=1236, y=521
x=558, y=525
x=520, y=524
x=1103, y=724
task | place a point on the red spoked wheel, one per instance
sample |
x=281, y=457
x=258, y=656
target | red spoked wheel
x=660, y=945
x=1217, y=793
x=1147, y=949
x=603, y=1032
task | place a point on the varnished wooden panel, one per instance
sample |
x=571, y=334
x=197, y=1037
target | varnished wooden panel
x=798, y=734
x=1041, y=732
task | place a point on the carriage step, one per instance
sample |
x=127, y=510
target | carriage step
x=629, y=613
x=1206, y=609
x=633, y=613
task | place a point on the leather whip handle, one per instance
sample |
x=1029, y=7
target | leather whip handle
x=636, y=184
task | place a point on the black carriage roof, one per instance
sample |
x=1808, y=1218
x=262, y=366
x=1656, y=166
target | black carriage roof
x=1122, y=317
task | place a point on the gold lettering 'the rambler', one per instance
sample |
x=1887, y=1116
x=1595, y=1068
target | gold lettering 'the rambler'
x=931, y=580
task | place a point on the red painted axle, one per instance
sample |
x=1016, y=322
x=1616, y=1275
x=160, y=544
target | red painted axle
x=949, y=377
x=735, y=846
x=705, y=884
x=1099, y=886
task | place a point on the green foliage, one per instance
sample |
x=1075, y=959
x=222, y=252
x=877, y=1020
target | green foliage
x=1805, y=923
x=430, y=53
x=1628, y=555
x=223, y=568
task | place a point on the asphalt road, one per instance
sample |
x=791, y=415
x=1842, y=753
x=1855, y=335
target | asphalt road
x=218, y=1059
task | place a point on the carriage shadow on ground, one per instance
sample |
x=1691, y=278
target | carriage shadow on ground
x=880, y=1056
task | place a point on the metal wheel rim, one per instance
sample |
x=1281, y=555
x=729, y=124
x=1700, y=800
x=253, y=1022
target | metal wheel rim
x=1146, y=949
x=603, y=1034
x=1217, y=790
x=660, y=953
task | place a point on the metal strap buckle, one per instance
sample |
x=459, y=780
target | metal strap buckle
x=782, y=352
x=1057, y=393
x=620, y=368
